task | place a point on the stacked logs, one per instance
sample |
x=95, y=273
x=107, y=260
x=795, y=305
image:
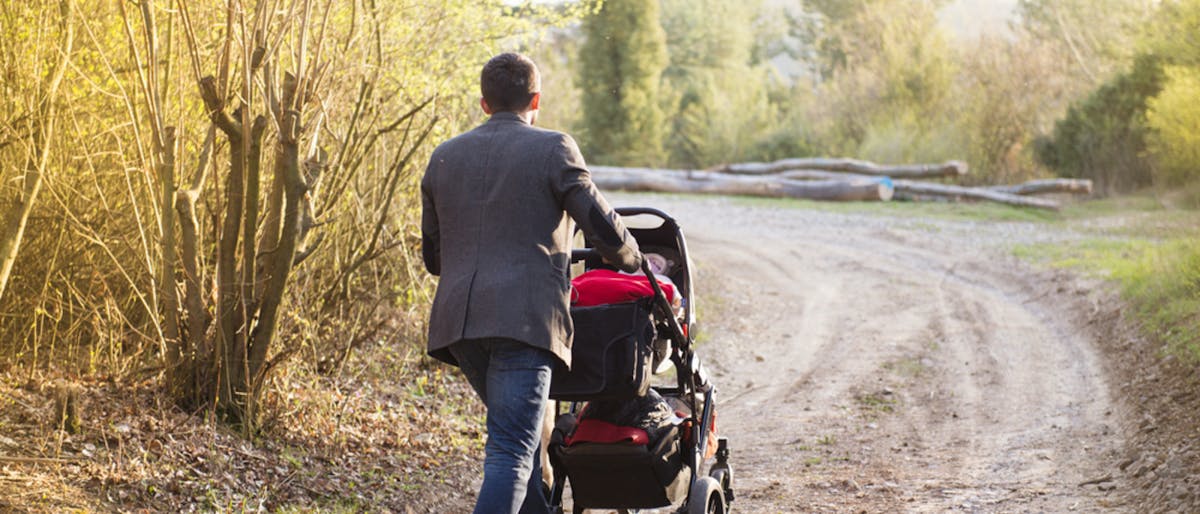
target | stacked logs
x=714, y=182
x=833, y=180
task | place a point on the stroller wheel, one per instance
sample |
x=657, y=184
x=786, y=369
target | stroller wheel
x=706, y=497
x=724, y=477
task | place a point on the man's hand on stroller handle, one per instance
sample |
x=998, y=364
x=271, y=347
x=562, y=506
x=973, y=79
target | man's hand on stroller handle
x=581, y=254
x=643, y=263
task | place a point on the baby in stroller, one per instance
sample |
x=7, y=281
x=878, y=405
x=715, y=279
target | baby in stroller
x=603, y=286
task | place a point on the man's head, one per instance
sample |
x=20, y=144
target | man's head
x=510, y=83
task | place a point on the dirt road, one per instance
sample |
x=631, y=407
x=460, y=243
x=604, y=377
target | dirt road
x=873, y=364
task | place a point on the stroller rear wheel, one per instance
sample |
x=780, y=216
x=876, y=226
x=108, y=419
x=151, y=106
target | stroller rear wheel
x=706, y=497
x=724, y=477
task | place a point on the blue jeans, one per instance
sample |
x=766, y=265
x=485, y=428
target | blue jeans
x=513, y=380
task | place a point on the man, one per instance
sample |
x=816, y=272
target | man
x=497, y=205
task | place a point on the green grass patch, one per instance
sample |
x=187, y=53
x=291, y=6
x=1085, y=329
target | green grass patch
x=1137, y=216
x=329, y=506
x=876, y=402
x=1117, y=205
x=1160, y=280
x=1164, y=287
x=909, y=367
x=1101, y=257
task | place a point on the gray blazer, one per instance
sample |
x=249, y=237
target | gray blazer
x=496, y=222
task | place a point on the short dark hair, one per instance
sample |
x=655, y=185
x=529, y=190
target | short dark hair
x=509, y=81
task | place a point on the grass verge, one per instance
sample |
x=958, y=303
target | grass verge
x=1160, y=278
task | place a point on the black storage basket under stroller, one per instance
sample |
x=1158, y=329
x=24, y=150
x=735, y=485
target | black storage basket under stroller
x=626, y=475
x=611, y=354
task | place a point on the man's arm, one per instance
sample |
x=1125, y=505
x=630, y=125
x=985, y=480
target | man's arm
x=584, y=203
x=431, y=250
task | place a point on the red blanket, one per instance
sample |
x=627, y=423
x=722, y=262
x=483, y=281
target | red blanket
x=603, y=287
x=596, y=431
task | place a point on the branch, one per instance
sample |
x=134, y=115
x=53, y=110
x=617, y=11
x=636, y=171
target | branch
x=216, y=109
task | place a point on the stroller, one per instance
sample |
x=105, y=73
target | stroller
x=617, y=350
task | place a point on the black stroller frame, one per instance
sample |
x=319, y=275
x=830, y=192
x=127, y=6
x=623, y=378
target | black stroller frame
x=711, y=493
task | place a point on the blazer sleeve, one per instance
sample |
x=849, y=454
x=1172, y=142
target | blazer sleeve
x=431, y=249
x=572, y=183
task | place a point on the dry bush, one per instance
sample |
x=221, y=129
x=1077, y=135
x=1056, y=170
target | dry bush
x=998, y=130
x=98, y=285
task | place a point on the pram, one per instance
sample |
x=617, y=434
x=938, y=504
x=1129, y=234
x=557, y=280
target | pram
x=616, y=351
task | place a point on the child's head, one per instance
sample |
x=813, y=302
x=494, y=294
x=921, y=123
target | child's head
x=659, y=265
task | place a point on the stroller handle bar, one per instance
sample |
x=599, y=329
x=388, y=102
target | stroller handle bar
x=638, y=211
x=583, y=254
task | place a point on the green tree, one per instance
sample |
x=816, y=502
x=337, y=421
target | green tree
x=1177, y=18
x=1174, y=119
x=621, y=66
x=717, y=97
x=886, y=71
x=1174, y=114
x=1103, y=137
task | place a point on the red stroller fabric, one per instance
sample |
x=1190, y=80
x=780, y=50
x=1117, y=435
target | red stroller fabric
x=603, y=287
x=597, y=431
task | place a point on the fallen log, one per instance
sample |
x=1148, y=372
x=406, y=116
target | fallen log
x=820, y=175
x=909, y=188
x=1079, y=186
x=947, y=169
x=799, y=183
x=708, y=182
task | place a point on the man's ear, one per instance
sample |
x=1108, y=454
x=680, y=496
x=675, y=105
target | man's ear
x=533, y=102
x=487, y=109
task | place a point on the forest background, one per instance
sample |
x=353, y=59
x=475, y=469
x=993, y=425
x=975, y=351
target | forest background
x=213, y=205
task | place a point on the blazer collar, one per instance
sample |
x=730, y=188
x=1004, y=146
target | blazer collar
x=506, y=117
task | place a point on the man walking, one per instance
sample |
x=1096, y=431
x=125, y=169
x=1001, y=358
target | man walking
x=497, y=210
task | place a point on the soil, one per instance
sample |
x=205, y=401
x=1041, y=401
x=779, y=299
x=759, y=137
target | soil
x=871, y=364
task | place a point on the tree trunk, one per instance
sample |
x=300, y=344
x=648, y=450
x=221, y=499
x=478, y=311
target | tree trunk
x=17, y=217
x=707, y=182
x=250, y=219
x=820, y=175
x=948, y=169
x=190, y=376
x=288, y=151
x=269, y=239
x=907, y=188
x=15, y=220
x=230, y=336
x=169, y=294
x=1079, y=186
